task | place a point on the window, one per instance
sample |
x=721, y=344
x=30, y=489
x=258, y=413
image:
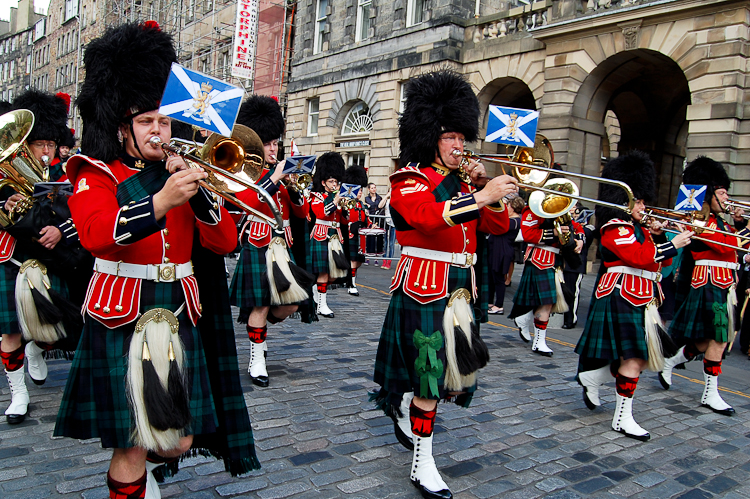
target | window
x=402, y=97
x=320, y=25
x=93, y=12
x=357, y=158
x=83, y=16
x=313, y=113
x=414, y=12
x=28, y=64
x=12, y=69
x=10, y=95
x=358, y=120
x=363, y=20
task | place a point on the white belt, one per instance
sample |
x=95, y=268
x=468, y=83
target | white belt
x=717, y=263
x=163, y=272
x=551, y=249
x=253, y=218
x=457, y=259
x=621, y=269
x=328, y=223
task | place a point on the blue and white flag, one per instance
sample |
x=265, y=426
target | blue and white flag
x=349, y=190
x=201, y=100
x=512, y=126
x=299, y=165
x=690, y=197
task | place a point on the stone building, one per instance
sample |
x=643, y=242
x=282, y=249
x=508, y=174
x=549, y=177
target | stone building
x=665, y=76
x=16, y=42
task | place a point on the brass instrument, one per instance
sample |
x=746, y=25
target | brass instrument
x=557, y=206
x=348, y=203
x=734, y=204
x=237, y=170
x=17, y=163
x=298, y=182
x=531, y=166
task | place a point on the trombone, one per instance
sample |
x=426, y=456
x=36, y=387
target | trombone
x=234, y=178
x=531, y=168
x=733, y=204
x=695, y=220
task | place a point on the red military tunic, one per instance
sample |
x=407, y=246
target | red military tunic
x=538, y=231
x=332, y=216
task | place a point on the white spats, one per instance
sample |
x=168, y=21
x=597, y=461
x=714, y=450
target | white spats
x=540, y=343
x=665, y=376
x=524, y=323
x=323, y=306
x=424, y=474
x=36, y=363
x=591, y=381
x=711, y=397
x=623, y=420
x=257, y=366
x=19, y=401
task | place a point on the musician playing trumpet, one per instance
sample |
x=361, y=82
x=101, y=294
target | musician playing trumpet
x=622, y=336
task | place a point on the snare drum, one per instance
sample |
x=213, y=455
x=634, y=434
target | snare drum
x=372, y=241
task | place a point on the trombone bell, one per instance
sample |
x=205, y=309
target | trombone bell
x=549, y=205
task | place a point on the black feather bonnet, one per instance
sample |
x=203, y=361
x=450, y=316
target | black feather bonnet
x=50, y=115
x=635, y=169
x=706, y=171
x=328, y=165
x=263, y=115
x=356, y=175
x=437, y=102
x=126, y=73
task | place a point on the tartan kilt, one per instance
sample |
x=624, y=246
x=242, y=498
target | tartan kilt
x=317, y=255
x=614, y=329
x=694, y=318
x=95, y=405
x=354, y=254
x=249, y=286
x=537, y=287
x=396, y=356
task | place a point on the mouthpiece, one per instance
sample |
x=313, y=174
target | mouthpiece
x=156, y=141
x=45, y=160
x=457, y=153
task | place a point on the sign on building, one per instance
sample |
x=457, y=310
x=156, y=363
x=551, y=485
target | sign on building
x=245, y=39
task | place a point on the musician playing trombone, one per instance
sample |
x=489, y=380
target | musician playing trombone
x=540, y=291
x=140, y=379
x=704, y=321
x=430, y=348
x=621, y=336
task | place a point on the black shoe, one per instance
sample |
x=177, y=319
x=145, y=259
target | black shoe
x=428, y=494
x=545, y=354
x=16, y=418
x=724, y=412
x=569, y=326
x=261, y=381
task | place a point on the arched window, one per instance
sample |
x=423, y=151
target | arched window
x=358, y=120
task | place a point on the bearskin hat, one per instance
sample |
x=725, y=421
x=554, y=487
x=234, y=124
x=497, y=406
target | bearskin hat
x=126, y=73
x=182, y=130
x=263, y=115
x=5, y=106
x=328, y=165
x=437, y=102
x=706, y=171
x=356, y=175
x=635, y=169
x=50, y=115
x=69, y=139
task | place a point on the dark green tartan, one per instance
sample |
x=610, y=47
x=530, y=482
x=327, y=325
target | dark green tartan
x=317, y=254
x=250, y=280
x=233, y=442
x=354, y=254
x=394, y=363
x=8, y=314
x=695, y=316
x=146, y=182
x=615, y=329
x=537, y=287
x=94, y=404
x=447, y=189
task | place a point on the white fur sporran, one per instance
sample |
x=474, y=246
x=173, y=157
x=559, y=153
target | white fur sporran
x=34, y=274
x=334, y=245
x=561, y=306
x=652, y=323
x=277, y=253
x=457, y=313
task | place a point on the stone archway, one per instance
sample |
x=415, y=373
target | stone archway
x=649, y=94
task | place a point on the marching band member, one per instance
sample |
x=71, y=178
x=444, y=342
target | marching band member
x=24, y=260
x=251, y=289
x=430, y=348
x=704, y=320
x=540, y=289
x=620, y=338
x=139, y=380
x=357, y=220
x=326, y=257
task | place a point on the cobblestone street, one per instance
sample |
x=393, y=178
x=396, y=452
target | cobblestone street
x=527, y=434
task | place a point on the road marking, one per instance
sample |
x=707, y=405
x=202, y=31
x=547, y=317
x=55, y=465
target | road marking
x=565, y=343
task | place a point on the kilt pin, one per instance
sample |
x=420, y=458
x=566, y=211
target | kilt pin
x=437, y=223
x=623, y=315
x=706, y=297
x=541, y=281
x=141, y=264
x=250, y=287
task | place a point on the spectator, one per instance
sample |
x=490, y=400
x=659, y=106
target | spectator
x=372, y=201
x=501, y=254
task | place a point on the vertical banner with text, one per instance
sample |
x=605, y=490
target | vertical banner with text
x=245, y=38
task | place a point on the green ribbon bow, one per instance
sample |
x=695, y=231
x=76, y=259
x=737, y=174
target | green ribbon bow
x=428, y=367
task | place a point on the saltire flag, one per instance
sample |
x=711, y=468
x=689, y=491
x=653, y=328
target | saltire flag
x=690, y=197
x=299, y=165
x=295, y=149
x=349, y=190
x=512, y=126
x=198, y=99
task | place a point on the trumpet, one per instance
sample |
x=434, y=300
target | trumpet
x=297, y=182
x=531, y=166
x=348, y=203
x=225, y=182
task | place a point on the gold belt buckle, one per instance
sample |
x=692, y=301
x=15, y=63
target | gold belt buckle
x=167, y=272
x=469, y=259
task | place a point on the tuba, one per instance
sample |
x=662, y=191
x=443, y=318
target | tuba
x=17, y=164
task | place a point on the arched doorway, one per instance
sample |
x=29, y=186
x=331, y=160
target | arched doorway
x=642, y=97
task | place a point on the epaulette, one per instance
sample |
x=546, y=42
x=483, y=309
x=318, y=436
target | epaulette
x=320, y=195
x=75, y=162
x=410, y=170
x=617, y=221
